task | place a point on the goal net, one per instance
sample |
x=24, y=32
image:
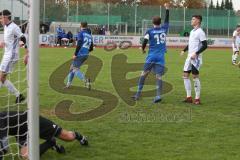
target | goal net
x=73, y=27
x=122, y=28
x=14, y=90
x=176, y=26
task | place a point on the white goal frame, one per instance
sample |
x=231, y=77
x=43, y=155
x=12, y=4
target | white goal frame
x=33, y=101
x=120, y=26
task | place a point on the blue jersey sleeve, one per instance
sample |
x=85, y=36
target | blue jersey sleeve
x=79, y=43
x=166, y=22
x=80, y=39
x=78, y=36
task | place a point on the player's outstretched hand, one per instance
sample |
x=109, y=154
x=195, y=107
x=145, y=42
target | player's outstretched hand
x=167, y=5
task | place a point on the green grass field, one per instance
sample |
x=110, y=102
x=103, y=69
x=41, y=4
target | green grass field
x=170, y=130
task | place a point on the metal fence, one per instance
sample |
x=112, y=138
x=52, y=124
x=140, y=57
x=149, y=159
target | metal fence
x=131, y=19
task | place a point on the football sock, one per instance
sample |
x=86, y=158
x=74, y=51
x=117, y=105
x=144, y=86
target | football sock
x=159, y=87
x=234, y=57
x=11, y=88
x=197, y=87
x=78, y=136
x=140, y=84
x=46, y=145
x=70, y=78
x=80, y=75
x=188, y=87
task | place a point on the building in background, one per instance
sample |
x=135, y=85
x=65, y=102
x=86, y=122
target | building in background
x=17, y=7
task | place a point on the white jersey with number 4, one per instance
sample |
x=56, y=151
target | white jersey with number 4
x=197, y=35
x=237, y=41
x=12, y=34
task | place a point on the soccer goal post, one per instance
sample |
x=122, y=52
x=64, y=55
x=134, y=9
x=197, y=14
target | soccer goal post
x=33, y=101
x=122, y=27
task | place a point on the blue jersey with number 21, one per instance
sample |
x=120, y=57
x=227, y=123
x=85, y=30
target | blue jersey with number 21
x=157, y=44
x=84, y=41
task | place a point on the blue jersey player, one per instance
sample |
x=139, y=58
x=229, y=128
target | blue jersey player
x=84, y=47
x=155, y=61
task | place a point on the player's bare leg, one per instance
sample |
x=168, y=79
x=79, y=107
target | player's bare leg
x=197, y=88
x=71, y=136
x=142, y=78
x=158, y=98
x=188, y=87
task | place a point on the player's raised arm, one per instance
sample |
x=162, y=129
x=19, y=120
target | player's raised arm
x=167, y=6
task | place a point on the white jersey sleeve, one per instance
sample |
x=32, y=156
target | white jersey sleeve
x=235, y=33
x=146, y=36
x=17, y=32
x=202, y=36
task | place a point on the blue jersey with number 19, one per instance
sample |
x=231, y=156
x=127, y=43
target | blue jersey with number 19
x=84, y=41
x=157, y=43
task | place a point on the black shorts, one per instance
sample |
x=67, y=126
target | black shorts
x=48, y=129
x=194, y=71
x=15, y=124
x=18, y=127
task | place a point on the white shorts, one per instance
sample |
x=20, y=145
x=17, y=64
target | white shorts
x=7, y=66
x=235, y=49
x=189, y=63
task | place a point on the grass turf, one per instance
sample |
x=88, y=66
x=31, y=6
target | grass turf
x=167, y=131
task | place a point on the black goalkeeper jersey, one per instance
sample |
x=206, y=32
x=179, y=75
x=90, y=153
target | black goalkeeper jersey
x=15, y=123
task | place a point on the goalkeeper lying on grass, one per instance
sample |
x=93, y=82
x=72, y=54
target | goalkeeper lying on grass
x=49, y=131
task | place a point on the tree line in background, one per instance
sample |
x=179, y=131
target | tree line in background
x=174, y=3
x=57, y=9
x=225, y=5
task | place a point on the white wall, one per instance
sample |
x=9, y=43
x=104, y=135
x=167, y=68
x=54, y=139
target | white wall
x=17, y=8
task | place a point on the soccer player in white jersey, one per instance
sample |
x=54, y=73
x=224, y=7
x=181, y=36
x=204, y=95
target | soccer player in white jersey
x=235, y=45
x=12, y=35
x=197, y=44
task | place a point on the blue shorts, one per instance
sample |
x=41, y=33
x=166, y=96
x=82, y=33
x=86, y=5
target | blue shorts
x=78, y=62
x=155, y=65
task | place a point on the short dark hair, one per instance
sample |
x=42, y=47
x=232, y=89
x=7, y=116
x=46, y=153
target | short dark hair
x=156, y=20
x=84, y=24
x=199, y=17
x=238, y=25
x=6, y=13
